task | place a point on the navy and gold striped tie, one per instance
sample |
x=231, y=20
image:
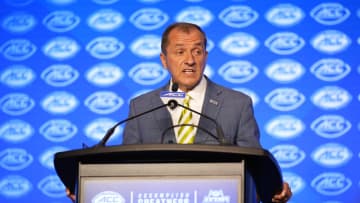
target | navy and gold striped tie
x=185, y=134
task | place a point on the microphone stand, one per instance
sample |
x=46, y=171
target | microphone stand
x=112, y=129
x=219, y=131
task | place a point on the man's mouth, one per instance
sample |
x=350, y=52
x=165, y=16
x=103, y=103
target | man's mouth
x=189, y=71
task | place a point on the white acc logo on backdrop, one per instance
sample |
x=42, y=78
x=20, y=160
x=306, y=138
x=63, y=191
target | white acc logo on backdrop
x=18, y=49
x=17, y=76
x=19, y=22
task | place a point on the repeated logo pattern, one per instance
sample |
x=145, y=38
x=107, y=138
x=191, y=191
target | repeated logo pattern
x=69, y=68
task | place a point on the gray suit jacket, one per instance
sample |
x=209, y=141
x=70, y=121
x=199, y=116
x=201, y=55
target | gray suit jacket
x=231, y=109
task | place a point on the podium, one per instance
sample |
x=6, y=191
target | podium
x=166, y=165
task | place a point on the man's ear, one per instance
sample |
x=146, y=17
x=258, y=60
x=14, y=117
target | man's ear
x=163, y=60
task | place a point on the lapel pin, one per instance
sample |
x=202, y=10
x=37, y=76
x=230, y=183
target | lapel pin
x=213, y=102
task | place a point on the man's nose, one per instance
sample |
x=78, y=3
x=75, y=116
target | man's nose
x=190, y=59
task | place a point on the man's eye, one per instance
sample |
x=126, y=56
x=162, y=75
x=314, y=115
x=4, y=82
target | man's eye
x=198, y=52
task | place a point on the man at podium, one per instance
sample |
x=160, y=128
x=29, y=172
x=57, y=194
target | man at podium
x=184, y=55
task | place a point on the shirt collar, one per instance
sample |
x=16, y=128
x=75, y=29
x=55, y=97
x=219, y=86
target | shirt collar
x=198, y=91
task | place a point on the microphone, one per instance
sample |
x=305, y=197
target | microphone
x=220, y=134
x=175, y=87
x=172, y=105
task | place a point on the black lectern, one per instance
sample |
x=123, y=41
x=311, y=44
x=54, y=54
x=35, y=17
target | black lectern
x=161, y=161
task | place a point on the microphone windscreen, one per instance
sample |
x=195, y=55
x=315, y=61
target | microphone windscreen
x=175, y=87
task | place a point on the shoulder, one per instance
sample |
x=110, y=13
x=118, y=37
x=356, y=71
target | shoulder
x=148, y=96
x=227, y=92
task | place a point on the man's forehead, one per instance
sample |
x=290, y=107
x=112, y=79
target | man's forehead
x=183, y=38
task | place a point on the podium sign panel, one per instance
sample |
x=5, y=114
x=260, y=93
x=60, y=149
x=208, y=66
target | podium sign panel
x=162, y=164
x=162, y=182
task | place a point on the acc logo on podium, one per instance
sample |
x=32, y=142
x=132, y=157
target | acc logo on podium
x=108, y=197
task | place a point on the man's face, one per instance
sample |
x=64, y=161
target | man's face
x=185, y=58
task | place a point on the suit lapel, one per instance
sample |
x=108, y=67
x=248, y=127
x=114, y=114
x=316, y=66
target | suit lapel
x=212, y=102
x=162, y=116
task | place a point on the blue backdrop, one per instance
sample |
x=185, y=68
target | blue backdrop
x=68, y=69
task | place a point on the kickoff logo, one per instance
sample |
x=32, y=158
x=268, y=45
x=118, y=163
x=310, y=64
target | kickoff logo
x=284, y=15
x=104, y=74
x=61, y=21
x=238, y=16
x=17, y=76
x=195, y=14
x=19, y=22
x=216, y=196
x=239, y=44
x=330, y=13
